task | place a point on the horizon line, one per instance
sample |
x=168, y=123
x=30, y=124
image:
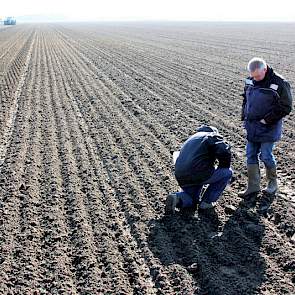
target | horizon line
x=154, y=20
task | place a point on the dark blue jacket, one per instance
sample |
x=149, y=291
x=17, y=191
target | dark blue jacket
x=196, y=160
x=269, y=99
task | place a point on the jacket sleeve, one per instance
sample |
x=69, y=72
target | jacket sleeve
x=221, y=150
x=244, y=101
x=283, y=106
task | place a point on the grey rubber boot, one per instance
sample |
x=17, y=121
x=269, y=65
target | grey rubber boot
x=272, y=185
x=253, y=180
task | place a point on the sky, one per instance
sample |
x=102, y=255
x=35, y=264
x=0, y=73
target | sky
x=189, y=10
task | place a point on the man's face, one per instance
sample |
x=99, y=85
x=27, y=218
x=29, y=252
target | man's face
x=258, y=74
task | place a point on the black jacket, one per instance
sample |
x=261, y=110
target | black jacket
x=196, y=161
x=283, y=105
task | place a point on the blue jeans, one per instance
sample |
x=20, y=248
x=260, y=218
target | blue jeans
x=262, y=150
x=217, y=183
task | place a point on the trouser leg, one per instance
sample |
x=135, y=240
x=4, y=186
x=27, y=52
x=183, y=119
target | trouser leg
x=217, y=183
x=252, y=152
x=266, y=155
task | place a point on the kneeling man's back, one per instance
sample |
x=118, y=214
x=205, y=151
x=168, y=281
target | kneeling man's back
x=197, y=157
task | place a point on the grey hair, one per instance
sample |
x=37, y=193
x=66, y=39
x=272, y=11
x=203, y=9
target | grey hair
x=256, y=63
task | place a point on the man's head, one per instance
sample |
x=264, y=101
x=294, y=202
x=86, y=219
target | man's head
x=257, y=68
x=207, y=128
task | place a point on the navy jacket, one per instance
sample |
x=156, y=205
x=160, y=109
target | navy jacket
x=269, y=99
x=196, y=161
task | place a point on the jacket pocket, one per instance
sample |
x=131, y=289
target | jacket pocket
x=263, y=130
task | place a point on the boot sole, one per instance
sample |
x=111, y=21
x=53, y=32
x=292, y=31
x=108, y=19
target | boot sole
x=270, y=194
x=207, y=208
x=248, y=194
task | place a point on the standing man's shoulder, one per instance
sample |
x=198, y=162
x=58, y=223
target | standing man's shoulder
x=249, y=81
x=278, y=77
x=279, y=83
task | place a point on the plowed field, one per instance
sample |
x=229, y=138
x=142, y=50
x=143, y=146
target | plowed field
x=89, y=116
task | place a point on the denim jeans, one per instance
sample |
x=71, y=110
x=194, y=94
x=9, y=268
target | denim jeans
x=217, y=183
x=262, y=150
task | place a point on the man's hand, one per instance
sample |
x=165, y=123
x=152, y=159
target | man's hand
x=263, y=121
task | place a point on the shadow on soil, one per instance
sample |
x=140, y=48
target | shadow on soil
x=222, y=259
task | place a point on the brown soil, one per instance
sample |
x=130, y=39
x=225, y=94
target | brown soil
x=89, y=117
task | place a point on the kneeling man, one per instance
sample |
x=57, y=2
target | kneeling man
x=195, y=167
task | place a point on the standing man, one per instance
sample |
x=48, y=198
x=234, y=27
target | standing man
x=195, y=167
x=267, y=99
